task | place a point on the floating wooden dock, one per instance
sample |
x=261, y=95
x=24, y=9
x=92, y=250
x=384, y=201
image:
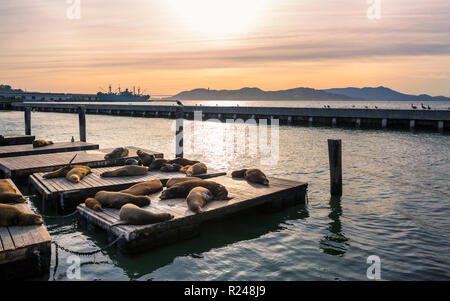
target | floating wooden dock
x=69, y=195
x=57, y=147
x=15, y=139
x=281, y=193
x=27, y=165
x=24, y=251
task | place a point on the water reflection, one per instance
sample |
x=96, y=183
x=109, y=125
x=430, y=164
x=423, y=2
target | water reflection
x=213, y=235
x=335, y=242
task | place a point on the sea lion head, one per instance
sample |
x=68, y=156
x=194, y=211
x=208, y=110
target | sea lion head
x=167, y=216
x=166, y=194
x=220, y=192
x=28, y=219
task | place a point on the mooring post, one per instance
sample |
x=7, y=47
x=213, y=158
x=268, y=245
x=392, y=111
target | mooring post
x=27, y=121
x=179, y=132
x=82, y=123
x=335, y=158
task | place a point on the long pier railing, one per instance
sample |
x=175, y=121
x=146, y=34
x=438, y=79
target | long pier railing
x=361, y=118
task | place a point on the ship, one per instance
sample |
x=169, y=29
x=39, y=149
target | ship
x=126, y=95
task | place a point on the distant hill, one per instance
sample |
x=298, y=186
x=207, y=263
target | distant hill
x=258, y=94
x=7, y=88
x=383, y=93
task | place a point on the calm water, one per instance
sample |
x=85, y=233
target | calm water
x=396, y=205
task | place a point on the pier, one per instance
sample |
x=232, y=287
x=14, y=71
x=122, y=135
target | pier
x=57, y=147
x=359, y=118
x=15, y=139
x=25, y=251
x=66, y=195
x=245, y=196
x=14, y=167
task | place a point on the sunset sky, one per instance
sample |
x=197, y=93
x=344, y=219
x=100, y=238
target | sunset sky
x=167, y=46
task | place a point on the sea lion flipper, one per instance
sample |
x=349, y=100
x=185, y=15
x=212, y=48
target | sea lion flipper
x=120, y=223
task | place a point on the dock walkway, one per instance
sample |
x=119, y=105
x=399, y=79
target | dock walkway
x=57, y=147
x=70, y=195
x=15, y=139
x=24, y=251
x=281, y=193
x=24, y=166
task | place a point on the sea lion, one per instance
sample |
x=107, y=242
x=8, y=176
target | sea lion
x=171, y=167
x=93, y=204
x=174, y=181
x=181, y=190
x=197, y=198
x=126, y=171
x=157, y=164
x=41, y=143
x=252, y=175
x=132, y=162
x=77, y=173
x=8, y=194
x=145, y=157
x=117, y=153
x=110, y=199
x=14, y=216
x=196, y=169
x=182, y=161
x=131, y=214
x=144, y=188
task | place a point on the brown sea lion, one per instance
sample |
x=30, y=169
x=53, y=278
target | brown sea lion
x=157, y=164
x=131, y=214
x=93, y=204
x=196, y=169
x=8, y=194
x=174, y=181
x=145, y=157
x=252, y=175
x=126, y=171
x=197, y=198
x=110, y=199
x=117, y=153
x=77, y=173
x=41, y=143
x=145, y=188
x=14, y=216
x=171, y=167
x=181, y=190
x=182, y=161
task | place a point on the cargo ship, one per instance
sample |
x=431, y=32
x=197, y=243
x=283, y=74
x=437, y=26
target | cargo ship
x=126, y=95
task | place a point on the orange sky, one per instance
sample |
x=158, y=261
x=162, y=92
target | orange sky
x=167, y=46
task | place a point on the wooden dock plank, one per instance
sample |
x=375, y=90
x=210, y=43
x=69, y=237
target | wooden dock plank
x=27, y=165
x=94, y=182
x=244, y=195
x=57, y=147
x=25, y=248
x=6, y=140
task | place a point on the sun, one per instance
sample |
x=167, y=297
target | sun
x=219, y=17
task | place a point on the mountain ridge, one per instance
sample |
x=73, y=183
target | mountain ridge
x=303, y=93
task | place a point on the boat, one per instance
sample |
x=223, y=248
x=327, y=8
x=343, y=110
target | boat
x=126, y=95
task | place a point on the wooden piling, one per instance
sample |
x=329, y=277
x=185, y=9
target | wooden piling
x=27, y=121
x=335, y=159
x=82, y=123
x=179, y=132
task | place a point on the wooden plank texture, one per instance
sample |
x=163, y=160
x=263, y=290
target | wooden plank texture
x=16, y=139
x=57, y=147
x=17, y=240
x=27, y=165
x=243, y=195
x=92, y=183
